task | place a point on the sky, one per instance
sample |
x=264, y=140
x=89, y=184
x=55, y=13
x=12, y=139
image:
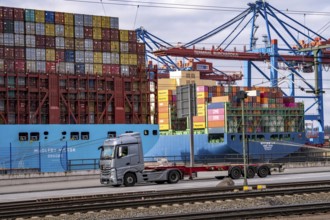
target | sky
x=182, y=21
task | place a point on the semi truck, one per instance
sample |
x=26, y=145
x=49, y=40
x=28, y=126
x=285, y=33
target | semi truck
x=122, y=163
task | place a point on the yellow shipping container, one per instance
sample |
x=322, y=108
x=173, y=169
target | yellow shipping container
x=98, y=58
x=50, y=29
x=123, y=35
x=164, y=127
x=98, y=69
x=164, y=92
x=202, y=95
x=166, y=84
x=68, y=31
x=50, y=55
x=39, y=16
x=97, y=21
x=220, y=99
x=199, y=125
x=68, y=19
x=105, y=22
x=163, y=115
x=97, y=33
x=114, y=46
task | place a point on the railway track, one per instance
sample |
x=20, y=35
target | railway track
x=57, y=206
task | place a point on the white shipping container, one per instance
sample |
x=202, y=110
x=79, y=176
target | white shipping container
x=60, y=67
x=30, y=53
x=1, y=39
x=106, y=58
x=124, y=70
x=89, y=68
x=123, y=46
x=114, y=58
x=88, y=44
x=79, y=19
x=19, y=27
x=79, y=31
x=30, y=28
x=114, y=22
x=89, y=57
x=41, y=66
x=40, y=29
x=30, y=40
x=40, y=54
x=8, y=39
x=80, y=56
x=19, y=40
x=69, y=68
x=59, y=30
x=30, y=66
x=59, y=42
x=2, y=67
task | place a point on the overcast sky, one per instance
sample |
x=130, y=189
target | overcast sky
x=173, y=24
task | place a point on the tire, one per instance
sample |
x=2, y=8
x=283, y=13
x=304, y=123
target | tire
x=173, y=176
x=263, y=171
x=129, y=179
x=250, y=172
x=117, y=185
x=235, y=173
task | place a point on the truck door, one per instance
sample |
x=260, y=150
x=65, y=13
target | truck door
x=123, y=161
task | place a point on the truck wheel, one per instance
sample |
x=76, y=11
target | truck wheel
x=250, y=172
x=129, y=179
x=235, y=173
x=173, y=176
x=263, y=171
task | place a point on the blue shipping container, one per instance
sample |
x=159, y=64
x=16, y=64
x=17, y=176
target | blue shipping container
x=80, y=68
x=69, y=56
x=29, y=15
x=50, y=17
x=216, y=105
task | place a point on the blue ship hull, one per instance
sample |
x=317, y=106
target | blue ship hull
x=51, y=147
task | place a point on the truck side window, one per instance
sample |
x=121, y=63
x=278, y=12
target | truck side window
x=122, y=151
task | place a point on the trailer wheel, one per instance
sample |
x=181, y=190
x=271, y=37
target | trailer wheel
x=173, y=176
x=263, y=171
x=235, y=173
x=250, y=172
x=129, y=179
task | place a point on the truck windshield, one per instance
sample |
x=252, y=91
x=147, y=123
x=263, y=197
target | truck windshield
x=108, y=152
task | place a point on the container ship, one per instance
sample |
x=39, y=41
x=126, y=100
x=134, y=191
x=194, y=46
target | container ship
x=69, y=81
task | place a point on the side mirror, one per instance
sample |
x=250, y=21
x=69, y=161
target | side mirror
x=100, y=148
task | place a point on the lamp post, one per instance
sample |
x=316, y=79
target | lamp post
x=242, y=95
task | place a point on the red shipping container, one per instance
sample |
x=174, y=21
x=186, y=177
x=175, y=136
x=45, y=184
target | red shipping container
x=106, y=46
x=19, y=14
x=106, y=69
x=114, y=34
x=106, y=34
x=2, y=55
x=9, y=66
x=141, y=59
x=141, y=48
x=59, y=18
x=1, y=13
x=97, y=45
x=88, y=32
x=8, y=13
x=9, y=52
x=40, y=41
x=50, y=42
x=50, y=67
x=132, y=47
x=115, y=69
x=20, y=66
x=20, y=53
x=132, y=36
x=59, y=56
x=1, y=26
x=132, y=70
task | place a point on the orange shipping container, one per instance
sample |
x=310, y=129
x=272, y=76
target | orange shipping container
x=163, y=115
x=163, y=121
x=163, y=104
x=201, y=101
x=163, y=110
x=216, y=124
x=199, y=118
x=220, y=99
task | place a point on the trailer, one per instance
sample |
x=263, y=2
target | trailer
x=122, y=162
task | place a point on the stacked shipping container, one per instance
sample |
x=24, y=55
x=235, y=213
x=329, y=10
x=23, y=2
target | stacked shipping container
x=70, y=68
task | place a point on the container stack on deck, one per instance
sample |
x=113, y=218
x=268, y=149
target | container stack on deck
x=219, y=111
x=72, y=69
